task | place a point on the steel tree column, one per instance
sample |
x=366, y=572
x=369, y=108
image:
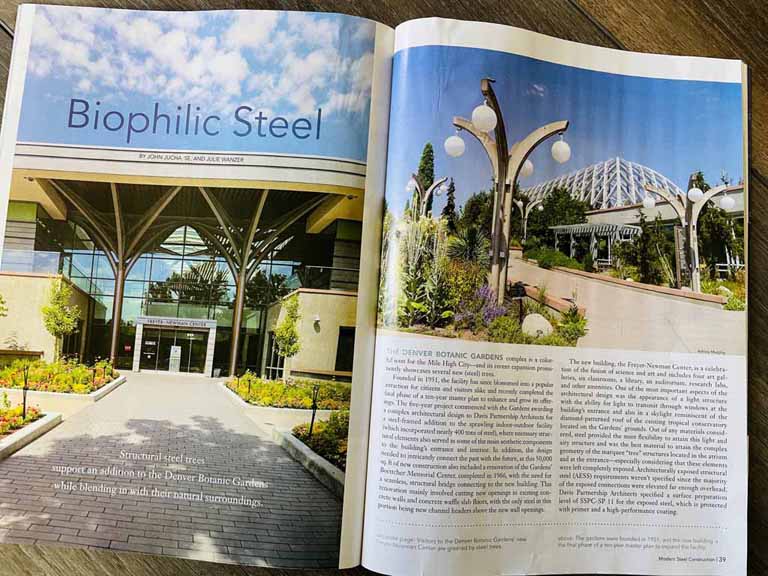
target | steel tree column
x=506, y=164
x=688, y=213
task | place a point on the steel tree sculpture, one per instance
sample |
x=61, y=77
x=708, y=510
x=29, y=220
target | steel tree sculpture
x=688, y=209
x=507, y=163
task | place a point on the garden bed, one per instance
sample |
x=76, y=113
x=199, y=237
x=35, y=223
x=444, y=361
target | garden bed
x=696, y=297
x=64, y=403
x=61, y=376
x=326, y=473
x=14, y=442
x=282, y=418
x=293, y=393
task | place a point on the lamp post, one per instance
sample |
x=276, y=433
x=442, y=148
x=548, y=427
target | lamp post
x=506, y=163
x=688, y=209
x=525, y=210
x=437, y=187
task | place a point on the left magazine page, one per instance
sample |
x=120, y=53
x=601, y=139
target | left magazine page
x=184, y=314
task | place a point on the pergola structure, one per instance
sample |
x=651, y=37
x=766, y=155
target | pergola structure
x=611, y=232
x=243, y=225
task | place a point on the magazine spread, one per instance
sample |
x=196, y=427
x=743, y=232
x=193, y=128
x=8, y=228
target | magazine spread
x=301, y=290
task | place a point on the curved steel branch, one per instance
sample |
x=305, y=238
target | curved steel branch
x=488, y=143
x=678, y=205
x=521, y=150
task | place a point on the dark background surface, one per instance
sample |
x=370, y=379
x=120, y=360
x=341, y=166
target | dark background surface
x=719, y=28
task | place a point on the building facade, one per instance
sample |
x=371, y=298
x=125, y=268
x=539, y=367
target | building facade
x=185, y=276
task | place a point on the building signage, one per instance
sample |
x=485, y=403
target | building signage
x=176, y=322
x=174, y=365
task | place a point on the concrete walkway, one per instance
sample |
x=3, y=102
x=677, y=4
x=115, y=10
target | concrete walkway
x=282, y=517
x=631, y=319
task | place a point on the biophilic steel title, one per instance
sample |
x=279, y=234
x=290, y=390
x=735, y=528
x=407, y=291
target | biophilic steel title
x=189, y=120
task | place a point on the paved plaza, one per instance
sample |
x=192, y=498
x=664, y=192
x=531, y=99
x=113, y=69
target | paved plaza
x=632, y=319
x=276, y=515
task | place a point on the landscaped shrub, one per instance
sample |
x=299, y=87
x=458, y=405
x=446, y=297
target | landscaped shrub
x=479, y=310
x=507, y=329
x=734, y=303
x=550, y=258
x=589, y=263
x=60, y=376
x=553, y=339
x=464, y=280
x=286, y=331
x=572, y=325
x=329, y=439
x=296, y=393
x=417, y=250
x=11, y=418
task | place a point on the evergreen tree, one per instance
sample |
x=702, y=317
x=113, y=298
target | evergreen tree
x=477, y=212
x=449, y=210
x=558, y=208
x=426, y=173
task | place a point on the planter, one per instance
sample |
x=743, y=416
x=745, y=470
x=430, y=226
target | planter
x=63, y=403
x=325, y=472
x=712, y=300
x=20, y=438
x=282, y=418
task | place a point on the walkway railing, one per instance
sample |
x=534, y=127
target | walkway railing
x=34, y=261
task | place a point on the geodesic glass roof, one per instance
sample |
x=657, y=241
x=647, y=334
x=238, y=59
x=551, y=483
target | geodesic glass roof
x=614, y=182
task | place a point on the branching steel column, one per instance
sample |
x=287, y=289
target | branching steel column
x=120, y=272
x=242, y=280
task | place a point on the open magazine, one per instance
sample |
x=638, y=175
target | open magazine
x=301, y=290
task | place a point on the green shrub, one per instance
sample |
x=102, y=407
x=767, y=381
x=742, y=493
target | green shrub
x=296, y=393
x=734, y=303
x=550, y=258
x=506, y=329
x=464, y=280
x=286, y=331
x=60, y=376
x=589, y=263
x=553, y=339
x=329, y=439
x=572, y=325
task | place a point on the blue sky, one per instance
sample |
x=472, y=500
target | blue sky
x=283, y=63
x=675, y=127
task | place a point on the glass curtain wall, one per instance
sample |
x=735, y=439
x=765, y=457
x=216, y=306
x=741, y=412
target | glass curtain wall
x=180, y=278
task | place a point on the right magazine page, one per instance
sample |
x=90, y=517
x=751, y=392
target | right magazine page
x=560, y=373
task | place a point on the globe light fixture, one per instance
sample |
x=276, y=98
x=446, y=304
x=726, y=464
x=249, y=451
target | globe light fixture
x=649, y=202
x=454, y=146
x=519, y=202
x=411, y=186
x=561, y=151
x=441, y=190
x=527, y=169
x=540, y=208
x=695, y=194
x=727, y=202
x=484, y=118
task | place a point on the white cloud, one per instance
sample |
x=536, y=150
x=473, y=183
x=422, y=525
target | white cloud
x=291, y=62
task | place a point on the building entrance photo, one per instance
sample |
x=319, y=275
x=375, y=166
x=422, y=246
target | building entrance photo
x=173, y=350
x=176, y=345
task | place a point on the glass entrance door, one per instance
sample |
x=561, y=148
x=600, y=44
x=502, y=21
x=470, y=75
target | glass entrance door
x=149, y=345
x=173, y=349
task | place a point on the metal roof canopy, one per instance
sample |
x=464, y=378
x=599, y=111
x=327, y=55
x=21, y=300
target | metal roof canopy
x=586, y=229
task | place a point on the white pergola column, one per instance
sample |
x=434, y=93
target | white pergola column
x=137, y=346
x=208, y=370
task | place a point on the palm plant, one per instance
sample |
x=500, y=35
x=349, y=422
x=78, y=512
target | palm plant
x=471, y=245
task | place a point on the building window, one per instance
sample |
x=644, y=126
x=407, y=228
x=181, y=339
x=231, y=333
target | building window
x=274, y=368
x=345, y=349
